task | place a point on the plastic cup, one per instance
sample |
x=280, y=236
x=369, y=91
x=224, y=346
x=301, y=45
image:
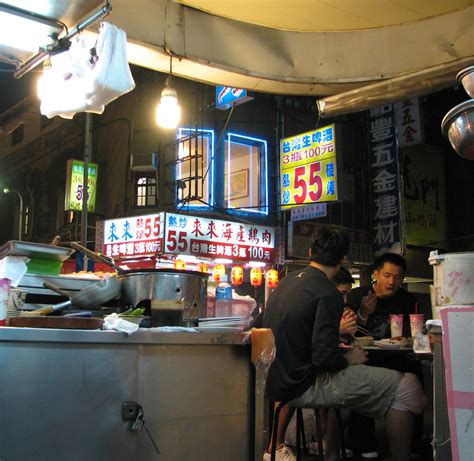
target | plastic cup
x=416, y=324
x=396, y=325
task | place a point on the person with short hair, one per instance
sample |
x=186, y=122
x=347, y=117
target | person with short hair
x=310, y=370
x=373, y=305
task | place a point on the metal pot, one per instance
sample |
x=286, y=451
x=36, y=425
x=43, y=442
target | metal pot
x=187, y=289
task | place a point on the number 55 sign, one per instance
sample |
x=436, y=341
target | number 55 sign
x=308, y=168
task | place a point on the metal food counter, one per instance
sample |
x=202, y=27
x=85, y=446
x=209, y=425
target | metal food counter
x=62, y=393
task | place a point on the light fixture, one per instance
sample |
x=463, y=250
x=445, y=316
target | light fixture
x=7, y=190
x=237, y=275
x=24, y=30
x=256, y=276
x=168, y=111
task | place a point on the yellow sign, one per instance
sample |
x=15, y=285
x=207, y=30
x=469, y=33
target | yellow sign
x=75, y=187
x=308, y=169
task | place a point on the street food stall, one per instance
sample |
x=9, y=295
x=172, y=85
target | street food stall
x=183, y=382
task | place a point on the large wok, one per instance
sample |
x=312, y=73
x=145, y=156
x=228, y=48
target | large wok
x=187, y=289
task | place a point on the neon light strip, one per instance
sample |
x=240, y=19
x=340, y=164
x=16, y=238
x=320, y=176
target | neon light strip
x=210, y=158
x=265, y=172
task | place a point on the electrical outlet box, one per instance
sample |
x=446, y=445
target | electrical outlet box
x=130, y=411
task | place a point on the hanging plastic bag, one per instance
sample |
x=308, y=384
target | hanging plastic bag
x=88, y=76
x=111, y=73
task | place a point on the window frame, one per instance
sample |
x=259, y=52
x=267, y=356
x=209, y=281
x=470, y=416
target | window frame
x=263, y=209
x=208, y=166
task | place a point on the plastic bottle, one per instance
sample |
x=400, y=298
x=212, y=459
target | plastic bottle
x=223, y=299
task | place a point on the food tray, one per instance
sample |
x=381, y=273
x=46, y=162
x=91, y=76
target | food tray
x=35, y=250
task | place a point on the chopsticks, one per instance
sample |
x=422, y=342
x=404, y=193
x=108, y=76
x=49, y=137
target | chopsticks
x=363, y=330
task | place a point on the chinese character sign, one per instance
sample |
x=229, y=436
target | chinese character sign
x=308, y=172
x=75, y=185
x=408, y=119
x=424, y=194
x=385, y=198
x=133, y=236
x=213, y=238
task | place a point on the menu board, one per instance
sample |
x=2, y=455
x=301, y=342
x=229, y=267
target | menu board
x=308, y=168
x=133, y=236
x=172, y=233
x=213, y=238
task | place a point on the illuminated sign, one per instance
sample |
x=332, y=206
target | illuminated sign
x=213, y=238
x=308, y=168
x=75, y=186
x=226, y=97
x=170, y=233
x=137, y=235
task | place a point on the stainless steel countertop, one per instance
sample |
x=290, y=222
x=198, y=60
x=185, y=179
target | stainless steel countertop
x=115, y=337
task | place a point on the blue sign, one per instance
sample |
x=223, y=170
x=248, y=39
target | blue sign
x=226, y=97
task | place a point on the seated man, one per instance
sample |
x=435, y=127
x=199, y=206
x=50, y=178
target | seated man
x=310, y=370
x=373, y=305
x=347, y=327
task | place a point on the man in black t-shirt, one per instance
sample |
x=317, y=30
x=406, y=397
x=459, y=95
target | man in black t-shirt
x=373, y=305
x=311, y=371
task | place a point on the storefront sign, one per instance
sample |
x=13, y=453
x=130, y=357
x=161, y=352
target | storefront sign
x=408, y=119
x=383, y=159
x=424, y=194
x=318, y=210
x=226, y=97
x=137, y=235
x=212, y=238
x=308, y=168
x=170, y=233
x=75, y=185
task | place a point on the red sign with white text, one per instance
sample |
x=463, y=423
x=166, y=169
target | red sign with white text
x=212, y=238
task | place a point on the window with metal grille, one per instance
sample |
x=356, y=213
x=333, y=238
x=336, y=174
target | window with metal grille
x=194, y=166
x=145, y=190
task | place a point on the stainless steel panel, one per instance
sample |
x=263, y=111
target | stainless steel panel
x=62, y=394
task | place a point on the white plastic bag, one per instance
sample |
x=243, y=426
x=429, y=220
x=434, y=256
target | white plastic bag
x=79, y=81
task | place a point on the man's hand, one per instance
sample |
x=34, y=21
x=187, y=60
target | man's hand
x=348, y=324
x=367, y=306
x=356, y=356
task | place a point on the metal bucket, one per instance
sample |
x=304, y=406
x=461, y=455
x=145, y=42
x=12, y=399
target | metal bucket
x=180, y=288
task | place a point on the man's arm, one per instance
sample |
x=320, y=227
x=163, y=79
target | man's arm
x=326, y=354
x=363, y=306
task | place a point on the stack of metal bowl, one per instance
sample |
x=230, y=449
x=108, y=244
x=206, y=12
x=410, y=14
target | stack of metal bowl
x=458, y=123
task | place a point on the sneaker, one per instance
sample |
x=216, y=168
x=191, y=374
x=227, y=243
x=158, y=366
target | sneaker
x=369, y=455
x=283, y=453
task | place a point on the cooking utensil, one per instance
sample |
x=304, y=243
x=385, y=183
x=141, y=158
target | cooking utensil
x=87, y=298
x=466, y=78
x=96, y=256
x=458, y=127
x=189, y=288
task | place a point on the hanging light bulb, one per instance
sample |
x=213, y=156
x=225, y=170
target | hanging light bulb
x=168, y=111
